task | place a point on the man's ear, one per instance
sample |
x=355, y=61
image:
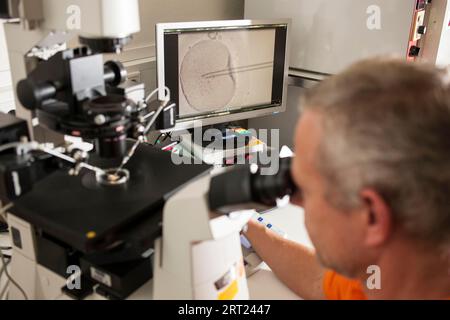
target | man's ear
x=379, y=220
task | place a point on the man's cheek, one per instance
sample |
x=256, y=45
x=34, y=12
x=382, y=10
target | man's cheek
x=318, y=220
x=297, y=200
x=309, y=221
x=314, y=230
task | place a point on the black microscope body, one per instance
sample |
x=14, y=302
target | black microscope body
x=108, y=231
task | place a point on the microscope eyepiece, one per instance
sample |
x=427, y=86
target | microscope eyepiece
x=241, y=188
x=266, y=189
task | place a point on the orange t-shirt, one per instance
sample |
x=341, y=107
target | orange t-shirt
x=336, y=287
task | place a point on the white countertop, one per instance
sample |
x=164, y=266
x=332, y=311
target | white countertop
x=264, y=285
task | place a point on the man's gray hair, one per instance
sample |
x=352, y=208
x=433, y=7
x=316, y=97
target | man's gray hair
x=387, y=127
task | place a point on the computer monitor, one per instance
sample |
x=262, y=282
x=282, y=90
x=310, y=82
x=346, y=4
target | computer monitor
x=223, y=71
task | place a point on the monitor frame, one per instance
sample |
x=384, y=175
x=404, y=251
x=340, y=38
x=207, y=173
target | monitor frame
x=162, y=28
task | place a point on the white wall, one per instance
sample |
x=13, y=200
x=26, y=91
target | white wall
x=142, y=49
x=443, y=55
x=6, y=93
x=328, y=35
x=139, y=56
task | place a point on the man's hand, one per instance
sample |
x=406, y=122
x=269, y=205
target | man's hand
x=295, y=265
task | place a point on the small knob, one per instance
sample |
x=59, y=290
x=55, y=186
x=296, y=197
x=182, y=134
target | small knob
x=414, y=51
x=422, y=30
x=100, y=120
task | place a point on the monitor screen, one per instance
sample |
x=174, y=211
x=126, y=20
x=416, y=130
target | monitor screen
x=217, y=70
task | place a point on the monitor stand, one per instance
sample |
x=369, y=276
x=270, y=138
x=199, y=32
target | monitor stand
x=231, y=138
x=234, y=142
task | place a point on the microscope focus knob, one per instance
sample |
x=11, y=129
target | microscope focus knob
x=32, y=95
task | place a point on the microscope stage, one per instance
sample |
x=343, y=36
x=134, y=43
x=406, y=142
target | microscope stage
x=90, y=217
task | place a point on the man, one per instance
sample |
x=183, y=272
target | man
x=373, y=166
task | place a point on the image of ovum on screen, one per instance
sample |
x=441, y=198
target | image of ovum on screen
x=225, y=70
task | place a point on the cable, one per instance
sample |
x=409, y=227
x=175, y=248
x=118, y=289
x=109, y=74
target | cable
x=168, y=135
x=162, y=138
x=158, y=111
x=148, y=115
x=153, y=120
x=150, y=96
x=4, y=210
x=3, y=292
x=157, y=141
x=3, y=269
x=133, y=149
x=5, y=265
x=155, y=116
x=9, y=146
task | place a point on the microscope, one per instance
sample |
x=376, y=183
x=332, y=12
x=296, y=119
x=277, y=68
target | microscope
x=121, y=221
